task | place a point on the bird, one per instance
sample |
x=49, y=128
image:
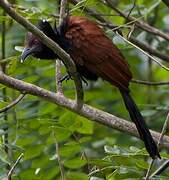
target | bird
x=95, y=56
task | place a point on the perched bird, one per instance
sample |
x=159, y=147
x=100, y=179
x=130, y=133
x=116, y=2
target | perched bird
x=95, y=56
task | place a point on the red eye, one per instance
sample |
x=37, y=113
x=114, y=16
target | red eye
x=35, y=41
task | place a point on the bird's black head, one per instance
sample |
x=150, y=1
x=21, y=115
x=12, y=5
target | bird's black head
x=34, y=47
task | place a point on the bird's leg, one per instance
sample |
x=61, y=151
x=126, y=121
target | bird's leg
x=84, y=80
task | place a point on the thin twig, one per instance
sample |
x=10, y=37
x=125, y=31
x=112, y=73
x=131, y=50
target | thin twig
x=163, y=130
x=62, y=172
x=12, y=104
x=148, y=83
x=158, y=144
x=55, y=15
x=151, y=57
x=22, y=8
x=149, y=169
x=161, y=169
x=149, y=49
x=142, y=45
x=4, y=90
x=83, y=151
x=58, y=76
x=15, y=164
x=52, y=45
x=141, y=24
x=134, y=5
x=93, y=12
x=99, y=170
x=63, y=5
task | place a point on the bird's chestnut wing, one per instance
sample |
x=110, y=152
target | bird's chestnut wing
x=94, y=50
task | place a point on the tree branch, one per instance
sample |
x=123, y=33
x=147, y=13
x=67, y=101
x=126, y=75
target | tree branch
x=63, y=4
x=151, y=57
x=52, y=45
x=13, y=167
x=62, y=171
x=148, y=49
x=13, y=103
x=86, y=111
x=158, y=144
x=141, y=24
x=161, y=169
x=148, y=83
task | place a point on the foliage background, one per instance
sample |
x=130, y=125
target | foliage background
x=34, y=126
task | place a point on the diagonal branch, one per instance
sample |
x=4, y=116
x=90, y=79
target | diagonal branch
x=158, y=144
x=86, y=111
x=151, y=57
x=52, y=45
x=161, y=169
x=149, y=49
x=13, y=103
x=14, y=166
x=141, y=24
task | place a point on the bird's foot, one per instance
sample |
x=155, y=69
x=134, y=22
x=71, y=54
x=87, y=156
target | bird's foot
x=68, y=77
x=65, y=78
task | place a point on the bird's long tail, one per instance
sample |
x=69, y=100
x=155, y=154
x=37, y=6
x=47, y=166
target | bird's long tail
x=142, y=128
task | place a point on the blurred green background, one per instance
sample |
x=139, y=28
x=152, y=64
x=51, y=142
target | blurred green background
x=88, y=150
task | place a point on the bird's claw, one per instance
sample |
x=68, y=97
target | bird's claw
x=65, y=77
x=68, y=77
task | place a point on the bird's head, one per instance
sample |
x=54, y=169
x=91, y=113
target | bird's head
x=34, y=47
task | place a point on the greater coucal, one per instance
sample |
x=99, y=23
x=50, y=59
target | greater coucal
x=95, y=56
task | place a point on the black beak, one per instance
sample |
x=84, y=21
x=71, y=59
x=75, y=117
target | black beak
x=27, y=52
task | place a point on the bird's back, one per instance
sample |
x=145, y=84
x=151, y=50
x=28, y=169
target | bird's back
x=94, y=50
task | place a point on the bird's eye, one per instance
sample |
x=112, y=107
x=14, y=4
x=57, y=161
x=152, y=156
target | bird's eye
x=35, y=41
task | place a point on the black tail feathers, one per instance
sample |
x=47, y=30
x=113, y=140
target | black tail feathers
x=142, y=128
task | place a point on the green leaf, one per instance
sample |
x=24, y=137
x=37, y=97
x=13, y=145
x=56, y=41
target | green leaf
x=12, y=65
x=100, y=162
x=124, y=152
x=74, y=122
x=147, y=113
x=3, y=157
x=44, y=130
x=86, y=126
x=41, y=162
x=69, y=150
x=52, y=172
x=32, y=152
x=96, y=178
x=28, y=174
x=75, y=163
x=68, y=120
x=76, y=176
x=142, y=164
x=61, y=134
x=85, y=139
x=26, y=141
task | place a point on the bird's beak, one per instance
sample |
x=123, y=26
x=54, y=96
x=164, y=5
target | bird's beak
x=27, y=52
